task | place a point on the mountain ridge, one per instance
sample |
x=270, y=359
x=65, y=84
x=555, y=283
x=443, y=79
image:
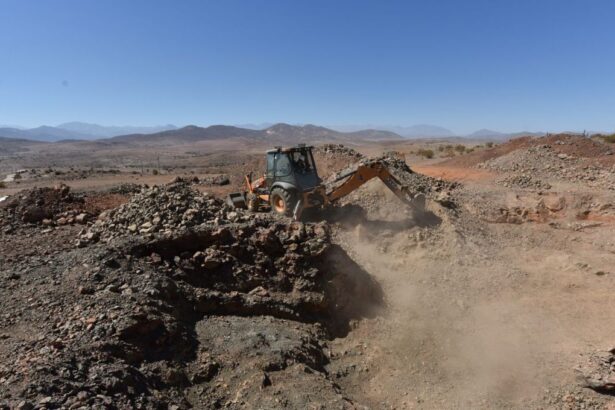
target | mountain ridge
x=279, y=132
x=108, y=131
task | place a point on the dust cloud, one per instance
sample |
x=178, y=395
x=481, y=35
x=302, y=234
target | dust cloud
x=452, y=335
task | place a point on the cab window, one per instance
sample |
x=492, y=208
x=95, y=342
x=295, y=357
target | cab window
x=302, y=161
x=282, y=165
x=270, y=163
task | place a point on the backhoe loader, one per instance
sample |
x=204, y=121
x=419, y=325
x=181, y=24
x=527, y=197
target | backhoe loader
x=291, y=184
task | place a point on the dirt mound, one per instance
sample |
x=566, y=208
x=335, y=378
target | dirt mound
x=43, y=205
x=219, y=180
x=165, y=209
x=221, y=312
x=563, y=157
x=331, y=158
x=128, y=188
x=434, y=188
x=598, y=372
x=579, y=146
x=597, y=153
x=474, y=158
x=545, y=161
x=338, y=150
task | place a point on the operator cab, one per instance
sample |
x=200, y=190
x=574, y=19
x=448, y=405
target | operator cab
x=294, y=166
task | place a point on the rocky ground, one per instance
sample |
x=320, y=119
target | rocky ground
x=562, y=158
x=498, y=295
x=215, y=308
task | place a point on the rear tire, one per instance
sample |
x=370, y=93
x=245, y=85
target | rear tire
x=282, y=201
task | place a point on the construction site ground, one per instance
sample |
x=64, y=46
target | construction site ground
x=503, y=299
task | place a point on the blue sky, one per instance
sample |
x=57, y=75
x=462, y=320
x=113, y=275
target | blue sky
x=505, y=65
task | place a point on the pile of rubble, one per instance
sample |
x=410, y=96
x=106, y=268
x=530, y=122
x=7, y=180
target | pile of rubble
x=235, y=311
x=338, y=150
x=47, y=206
x=544, y=161
x=127, y=188
x=161, y=209
x=524, y=181
x=434, y=188
x=219, y=180
x=599, y=372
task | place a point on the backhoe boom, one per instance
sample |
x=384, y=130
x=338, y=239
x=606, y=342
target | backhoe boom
x=349, y=180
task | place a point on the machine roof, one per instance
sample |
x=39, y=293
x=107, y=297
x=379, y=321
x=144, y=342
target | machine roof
x=299, y=147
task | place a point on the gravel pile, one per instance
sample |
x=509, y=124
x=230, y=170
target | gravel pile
x=543, y=161
x=599, y=372
x=432, y=187
x=47, y=206
x=219, y=180
x=524, y=181
x=338, y=150
x=127, y=188
x=162, y=209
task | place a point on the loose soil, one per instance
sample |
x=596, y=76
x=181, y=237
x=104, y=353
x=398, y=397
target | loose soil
x=163, y=297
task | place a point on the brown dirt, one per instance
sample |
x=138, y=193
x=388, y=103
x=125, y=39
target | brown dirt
x=575, y=145
x=95, y=203
x=477, y=157
x=493, y=305
x=454, y=173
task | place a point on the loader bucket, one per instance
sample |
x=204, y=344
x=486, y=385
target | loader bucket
x=237, y=200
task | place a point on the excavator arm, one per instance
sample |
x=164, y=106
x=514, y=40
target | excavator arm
x=352, y=178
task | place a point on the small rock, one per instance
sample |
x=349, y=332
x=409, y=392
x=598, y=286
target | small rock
x=85, y=290
x=24, y=405
x=81, y=218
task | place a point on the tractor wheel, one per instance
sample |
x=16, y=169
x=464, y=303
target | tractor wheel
x=282, y=201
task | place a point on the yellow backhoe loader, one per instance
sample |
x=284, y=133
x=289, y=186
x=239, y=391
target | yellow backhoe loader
x=291, y=184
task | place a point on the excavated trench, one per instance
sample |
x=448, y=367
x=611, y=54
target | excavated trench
x=253, y=303
x=174, y=300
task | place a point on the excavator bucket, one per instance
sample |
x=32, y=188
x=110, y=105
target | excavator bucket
x=237, y=200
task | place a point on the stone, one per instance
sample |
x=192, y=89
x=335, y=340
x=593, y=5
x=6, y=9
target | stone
x=211, y=263
x=81, y=218
x=24, y=405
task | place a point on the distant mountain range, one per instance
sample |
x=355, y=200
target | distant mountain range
x=76, y=131
x=423, y=130
x=43, y=133
x=101, y=131
x=280, y=132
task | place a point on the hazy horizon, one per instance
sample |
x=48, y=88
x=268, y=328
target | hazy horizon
x=337, y=127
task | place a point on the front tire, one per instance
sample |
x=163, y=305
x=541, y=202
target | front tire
x=282, y=201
